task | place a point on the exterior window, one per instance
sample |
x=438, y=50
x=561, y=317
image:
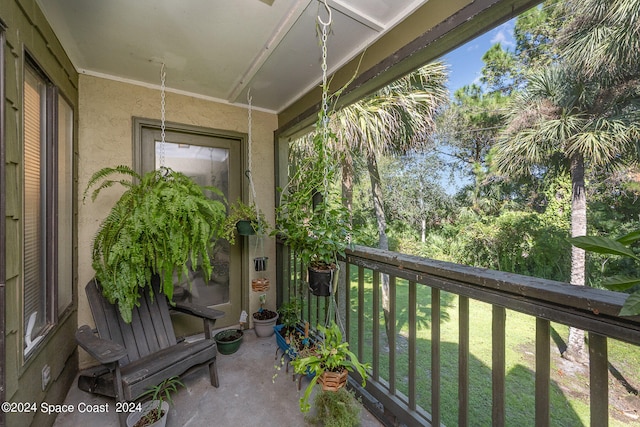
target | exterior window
x=48, y=206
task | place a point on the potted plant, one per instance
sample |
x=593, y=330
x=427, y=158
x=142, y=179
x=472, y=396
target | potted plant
x=154, y=412
x=340, y=408
x=329, y=363
x=264, y=319
x=289, y=313
x=132, y=244
x=311, y=216
x=287, y=331
x=245, y=220
x=229, y=340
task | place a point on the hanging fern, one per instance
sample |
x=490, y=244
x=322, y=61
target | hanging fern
x=163, y=223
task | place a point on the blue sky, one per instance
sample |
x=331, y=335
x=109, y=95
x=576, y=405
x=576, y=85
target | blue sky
x=465, y=62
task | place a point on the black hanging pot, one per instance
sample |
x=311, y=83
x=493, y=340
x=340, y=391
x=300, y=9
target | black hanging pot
x=260, y=263
x=245, y=228
x=320, y=281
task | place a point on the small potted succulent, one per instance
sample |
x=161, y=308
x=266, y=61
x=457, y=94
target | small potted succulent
x=330, y=363
x=154, y=413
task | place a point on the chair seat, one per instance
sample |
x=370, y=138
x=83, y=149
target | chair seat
x=150, y=370
x=138, y=376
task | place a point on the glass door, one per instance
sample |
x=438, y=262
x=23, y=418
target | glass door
x=212, y=161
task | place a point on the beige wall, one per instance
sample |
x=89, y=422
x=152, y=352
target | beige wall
x=106, y=109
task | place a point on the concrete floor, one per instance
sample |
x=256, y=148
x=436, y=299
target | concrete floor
x=247, y=395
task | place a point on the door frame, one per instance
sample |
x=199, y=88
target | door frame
x=3, y=252
x=139, y=123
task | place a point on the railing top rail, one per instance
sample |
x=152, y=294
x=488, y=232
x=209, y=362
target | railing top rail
x=583, y=307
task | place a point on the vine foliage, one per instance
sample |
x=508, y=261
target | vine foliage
x=163, y=224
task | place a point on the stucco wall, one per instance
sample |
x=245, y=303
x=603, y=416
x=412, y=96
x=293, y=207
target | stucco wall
x=106, y=109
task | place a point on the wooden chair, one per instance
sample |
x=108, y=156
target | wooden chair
x=134, y=356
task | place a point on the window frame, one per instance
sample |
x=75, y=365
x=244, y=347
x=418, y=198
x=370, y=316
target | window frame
x=50, y=212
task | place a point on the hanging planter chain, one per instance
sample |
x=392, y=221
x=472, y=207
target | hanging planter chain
x=259, y=240
x=325, y=90
x=163, y=76
x=325, y=137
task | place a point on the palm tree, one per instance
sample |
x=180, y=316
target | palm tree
x=581, y=112
x=397, y=118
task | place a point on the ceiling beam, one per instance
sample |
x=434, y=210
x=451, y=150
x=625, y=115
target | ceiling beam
x=268, y=48
x=357, y=15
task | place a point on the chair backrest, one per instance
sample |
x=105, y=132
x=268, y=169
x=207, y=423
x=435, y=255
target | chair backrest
x=150, y=329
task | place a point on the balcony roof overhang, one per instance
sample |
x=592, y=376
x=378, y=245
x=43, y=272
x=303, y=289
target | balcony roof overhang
x=221, y=50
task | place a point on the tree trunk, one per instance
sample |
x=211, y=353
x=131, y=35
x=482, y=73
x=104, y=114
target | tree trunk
x=383, y=241
x=575, y=347
x=378, y=200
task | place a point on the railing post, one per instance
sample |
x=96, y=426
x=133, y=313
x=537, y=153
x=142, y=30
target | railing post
x=543, y=372
x=413, y=304
x=498, y=366
x=463, y=362
x=435, y=356
x=598, y=380
x=375, y=374
x=391, y=334
x=361, y=312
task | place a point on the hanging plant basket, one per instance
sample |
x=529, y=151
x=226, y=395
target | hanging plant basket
x=260, y=284
x=333, y=381
x=320, y=281
x=260, y=263
x=245, y=228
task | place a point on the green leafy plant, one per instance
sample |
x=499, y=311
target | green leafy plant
x=330, y=354
x=311, y=215
x=335, y=409
x=290, y=313
x=164, y=223
x=622, y=247
x=160, y=393
x=240, y=211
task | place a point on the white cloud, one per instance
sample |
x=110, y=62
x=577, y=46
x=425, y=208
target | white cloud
x=472, y=46
x=503, y=34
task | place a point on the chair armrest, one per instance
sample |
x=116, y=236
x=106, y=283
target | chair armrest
x=198, y=310
x=104, y=351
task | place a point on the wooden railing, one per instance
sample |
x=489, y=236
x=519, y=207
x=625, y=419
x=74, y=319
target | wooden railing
x=383, y=327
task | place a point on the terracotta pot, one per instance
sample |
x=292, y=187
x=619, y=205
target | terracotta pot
x=333, y=381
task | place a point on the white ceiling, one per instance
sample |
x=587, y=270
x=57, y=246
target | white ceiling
x=219, y=48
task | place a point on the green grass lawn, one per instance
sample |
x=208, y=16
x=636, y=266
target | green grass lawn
x=569, y=385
